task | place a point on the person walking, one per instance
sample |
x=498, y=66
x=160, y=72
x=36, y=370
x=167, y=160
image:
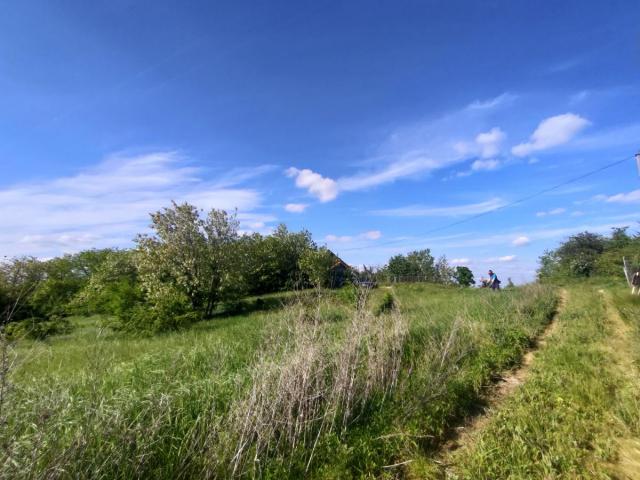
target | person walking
x=494, y=283
x=635, y=283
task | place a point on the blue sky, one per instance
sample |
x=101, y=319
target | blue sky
x=369, y=123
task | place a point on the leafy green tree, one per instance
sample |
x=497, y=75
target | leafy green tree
x=19, y=278
x=619, y=238
x=464, y=276
x=317, y=264
x=419, y=263
x=189, y=262
x=273, y=260
x=113, y=288
x=579, y=253
x=444, y=272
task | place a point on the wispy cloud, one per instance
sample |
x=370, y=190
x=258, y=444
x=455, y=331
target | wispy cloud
x=552, y=132
x=628, y=197
x=521, y=241
x=107, y=204
x=296, y=207
x=501, y=100
x=370, y=235
x=554, y=211
x=452, y=211
x=490, y=142
x=417, y=149
x=407, y=167
x=460, y=261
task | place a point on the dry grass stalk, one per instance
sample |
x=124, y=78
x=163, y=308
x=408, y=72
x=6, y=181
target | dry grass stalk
x=311, y=384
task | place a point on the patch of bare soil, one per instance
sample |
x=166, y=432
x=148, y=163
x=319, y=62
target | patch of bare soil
x=497, y=393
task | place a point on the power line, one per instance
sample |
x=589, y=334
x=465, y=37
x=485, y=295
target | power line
x=509, y=204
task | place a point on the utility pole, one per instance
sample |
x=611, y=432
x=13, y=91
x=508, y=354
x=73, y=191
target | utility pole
x=638, y=161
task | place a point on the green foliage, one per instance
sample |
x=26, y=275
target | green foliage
x=317, y=266
x=348, y=294
x=386, y=304
x=43, y=289
x=190, y=257
x=464, y=276
x=419, y=263
x=38, y=328
x=273, y=261
x=588, y=254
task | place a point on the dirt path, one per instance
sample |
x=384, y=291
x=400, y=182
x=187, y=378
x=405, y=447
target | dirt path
x=628, y=465
x=499, y=392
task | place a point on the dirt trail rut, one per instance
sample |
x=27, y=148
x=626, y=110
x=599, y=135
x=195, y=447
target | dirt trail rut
x=628, y=465
x=508, y=382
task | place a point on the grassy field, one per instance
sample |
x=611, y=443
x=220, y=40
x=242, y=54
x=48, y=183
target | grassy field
x=325, y=386
x=578, y=414
x=337, y=385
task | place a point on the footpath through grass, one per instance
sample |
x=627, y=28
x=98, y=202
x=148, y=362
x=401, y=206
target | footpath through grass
x=319, y=389
x=578, y=414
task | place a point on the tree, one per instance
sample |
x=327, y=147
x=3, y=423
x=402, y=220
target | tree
x=579, y=253
x=419, y=263
x=619, y=238
x=444, y=272
x=273, y=261
x=317, y=264
x=190, y=262
x=549, y=265
x=464, y=276
x=113, y=288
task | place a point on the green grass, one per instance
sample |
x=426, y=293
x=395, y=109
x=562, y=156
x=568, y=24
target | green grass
x=100, y=404
x=565, y=421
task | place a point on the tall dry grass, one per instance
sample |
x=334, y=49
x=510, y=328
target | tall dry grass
x=308, y=382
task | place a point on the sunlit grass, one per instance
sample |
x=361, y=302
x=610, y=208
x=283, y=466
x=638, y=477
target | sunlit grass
x=101, y=403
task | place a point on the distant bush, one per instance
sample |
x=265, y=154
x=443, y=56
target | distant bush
x=589, y=254
x=38, y=328
x=348, y=294
x=387, y=303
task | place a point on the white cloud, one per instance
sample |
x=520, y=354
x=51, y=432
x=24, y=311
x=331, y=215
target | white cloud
x=323, y=188
x=479, y=165
x=554, y=211
x=296, y=207
x=108, y=204
x=452, y=211
x=460, y=261
x=490, y=142
x=416, y=149
x=629, y=197
x=507, y=258
x=327, y=189
x=552, y=132
x=370, y=235
x=338, y=239
x=492, y=103
x=403, y=168
x=521, y=241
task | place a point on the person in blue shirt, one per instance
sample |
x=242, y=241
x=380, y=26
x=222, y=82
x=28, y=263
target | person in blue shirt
x=494, y=283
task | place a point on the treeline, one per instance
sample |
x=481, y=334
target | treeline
x=421, y=265
x=590, y=254
x=192, y=265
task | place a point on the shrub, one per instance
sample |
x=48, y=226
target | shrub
x=387, y=304
x=38, y=328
